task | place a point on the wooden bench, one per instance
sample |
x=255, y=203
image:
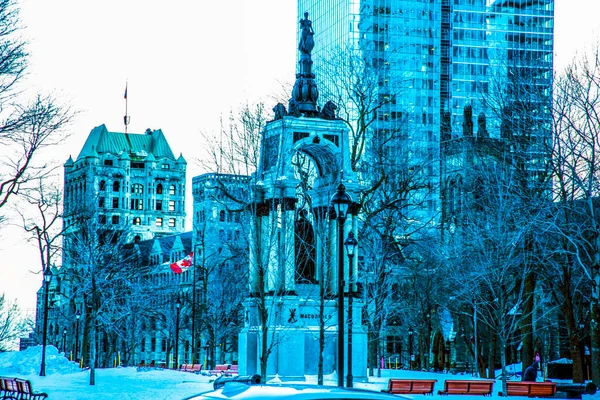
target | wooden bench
x=530, y=389
x=194, y=368
x=224, y=369
x=410, y=386
x=480, y=386
x=15, y=388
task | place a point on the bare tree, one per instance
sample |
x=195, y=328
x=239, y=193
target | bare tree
x=577, y=168
x=12, y=324
x=102, y=276
x=26, y=125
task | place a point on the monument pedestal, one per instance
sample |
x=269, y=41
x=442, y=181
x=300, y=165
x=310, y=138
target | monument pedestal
x=293, y=339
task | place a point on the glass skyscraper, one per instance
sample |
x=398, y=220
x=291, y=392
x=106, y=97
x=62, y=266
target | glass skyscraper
x=441, y=57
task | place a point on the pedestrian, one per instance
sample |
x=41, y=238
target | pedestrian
x=530, y=374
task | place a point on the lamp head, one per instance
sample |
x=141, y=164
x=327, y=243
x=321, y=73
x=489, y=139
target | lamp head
x=178, y=303
x=350, y=244
x=78, y=314
x=341, y=200
x=47, y=274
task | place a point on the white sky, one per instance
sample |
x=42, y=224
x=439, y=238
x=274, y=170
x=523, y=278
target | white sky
x=187, y=63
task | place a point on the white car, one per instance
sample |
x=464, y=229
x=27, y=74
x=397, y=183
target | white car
x=239, y=391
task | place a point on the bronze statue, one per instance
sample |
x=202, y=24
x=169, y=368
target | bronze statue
x=279, y=111
x=306, y=39
x=329, y=110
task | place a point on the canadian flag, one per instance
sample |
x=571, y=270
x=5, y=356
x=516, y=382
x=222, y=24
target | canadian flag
x=183, y=265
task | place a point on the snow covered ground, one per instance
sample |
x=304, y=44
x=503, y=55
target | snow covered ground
x=65, y=381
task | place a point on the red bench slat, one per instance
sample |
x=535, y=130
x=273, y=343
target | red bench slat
x=480, y=386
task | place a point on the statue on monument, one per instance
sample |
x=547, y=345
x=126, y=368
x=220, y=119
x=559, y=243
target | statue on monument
x=304, y=249
x=306, y=39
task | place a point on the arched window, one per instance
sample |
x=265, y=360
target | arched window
x=102, y=185
x=137, y=188
x=222, y=216
x=137, y=221
x=159, y=189
x=172, y=190
x=116, y=186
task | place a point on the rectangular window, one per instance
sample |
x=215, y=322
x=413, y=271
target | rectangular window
x=158, y=205
x=115, y=219
x=143, y=345
x=171, y=205
x=102, y=219
x=153, y=344
x=108, y=162
x=115, y=202
x=159, y=221
x=172, y=222
x=137, y=204
x=163, y=345
x=101, y=202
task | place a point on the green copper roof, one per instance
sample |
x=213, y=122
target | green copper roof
x=101, y=141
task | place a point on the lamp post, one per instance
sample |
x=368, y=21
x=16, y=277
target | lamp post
x=350, y=244
x=410, y=347
x=65, y=341
x=177, y=306
x=476, y=344
x=341, y=201
x=47, y=279
x=77, y=316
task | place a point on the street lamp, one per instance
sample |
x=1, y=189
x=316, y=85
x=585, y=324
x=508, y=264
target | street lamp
x=177, y=306
x=47, y=279
x=410, y=347
x=351, y=243
x=341, y=201
x=65, y=341
x=77, y=316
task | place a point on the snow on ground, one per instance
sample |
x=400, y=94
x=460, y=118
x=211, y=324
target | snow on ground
x=65, y=381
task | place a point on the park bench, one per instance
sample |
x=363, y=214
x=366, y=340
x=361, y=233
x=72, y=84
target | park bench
x=224, y=369
x=479, y=386
x=410, y=386
x=530, y=389
x=194, y=368
x=15, y=388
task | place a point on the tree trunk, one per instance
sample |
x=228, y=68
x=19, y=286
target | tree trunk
x=595, y=336
x=527, y=324
x=92, y=360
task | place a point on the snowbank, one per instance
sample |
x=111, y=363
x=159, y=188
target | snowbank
x=28, y=362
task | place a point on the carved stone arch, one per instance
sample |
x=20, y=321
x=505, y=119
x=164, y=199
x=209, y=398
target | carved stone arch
x=325, y=143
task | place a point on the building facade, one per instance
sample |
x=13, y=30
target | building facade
x=433, y=58
x=130, y=181
x=122, y=192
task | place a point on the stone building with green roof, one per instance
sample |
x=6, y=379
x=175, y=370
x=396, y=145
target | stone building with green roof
x=129, y=182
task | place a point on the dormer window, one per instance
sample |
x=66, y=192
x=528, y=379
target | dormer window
x=108, y=163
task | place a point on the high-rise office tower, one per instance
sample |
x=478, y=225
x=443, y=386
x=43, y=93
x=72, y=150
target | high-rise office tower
x=435, y=59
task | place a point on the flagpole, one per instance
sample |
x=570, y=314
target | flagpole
x=126, y=117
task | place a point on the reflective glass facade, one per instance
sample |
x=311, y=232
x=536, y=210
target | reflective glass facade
x=442, y=55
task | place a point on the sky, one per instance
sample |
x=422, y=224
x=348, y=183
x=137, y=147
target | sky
x=186, y=65
x=65, y=381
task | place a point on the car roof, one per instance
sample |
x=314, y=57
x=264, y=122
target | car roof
x=236, y=390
